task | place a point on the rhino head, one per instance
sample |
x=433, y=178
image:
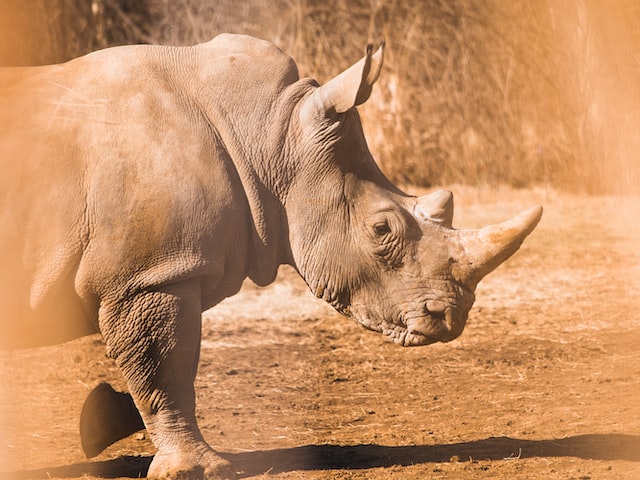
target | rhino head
x=391, y=261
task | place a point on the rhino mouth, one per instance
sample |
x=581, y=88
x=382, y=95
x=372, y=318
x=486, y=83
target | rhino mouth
x=442, y=325
x=429, y=326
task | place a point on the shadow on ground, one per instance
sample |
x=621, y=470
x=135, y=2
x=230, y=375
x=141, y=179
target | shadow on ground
x=328, y=457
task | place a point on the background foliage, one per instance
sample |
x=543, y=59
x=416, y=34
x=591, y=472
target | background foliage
x=481, y=92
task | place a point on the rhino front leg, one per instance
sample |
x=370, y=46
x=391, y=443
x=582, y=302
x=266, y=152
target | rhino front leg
x=155, y=340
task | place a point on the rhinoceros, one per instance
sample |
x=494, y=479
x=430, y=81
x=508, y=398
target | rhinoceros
x=142, y=184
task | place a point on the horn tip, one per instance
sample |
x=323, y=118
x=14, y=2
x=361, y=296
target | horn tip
x=534, y=215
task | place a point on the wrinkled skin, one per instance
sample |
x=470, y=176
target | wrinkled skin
x=142, y=184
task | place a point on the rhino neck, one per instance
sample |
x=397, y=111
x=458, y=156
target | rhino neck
x=267, y=226
x=250, y=117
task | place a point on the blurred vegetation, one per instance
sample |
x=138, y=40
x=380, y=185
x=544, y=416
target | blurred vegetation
x=480, y=92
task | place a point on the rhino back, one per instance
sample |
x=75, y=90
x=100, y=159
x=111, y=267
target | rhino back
x=115, y=181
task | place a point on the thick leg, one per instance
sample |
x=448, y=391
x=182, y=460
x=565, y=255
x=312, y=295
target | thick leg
x=155, y=339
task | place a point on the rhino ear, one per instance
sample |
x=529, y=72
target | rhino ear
x=353, y=86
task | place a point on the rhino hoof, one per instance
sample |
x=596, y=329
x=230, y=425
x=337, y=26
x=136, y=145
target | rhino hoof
x=174, y=466
x=107, y=416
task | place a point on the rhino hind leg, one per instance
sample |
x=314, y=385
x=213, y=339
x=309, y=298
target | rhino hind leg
x=107, y=416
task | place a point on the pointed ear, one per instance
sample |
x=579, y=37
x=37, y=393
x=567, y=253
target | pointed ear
x=353, y=86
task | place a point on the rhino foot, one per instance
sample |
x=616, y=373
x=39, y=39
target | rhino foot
x=107, y=416
x=190, y=466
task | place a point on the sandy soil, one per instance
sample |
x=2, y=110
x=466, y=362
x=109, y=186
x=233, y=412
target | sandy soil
x=543, y=383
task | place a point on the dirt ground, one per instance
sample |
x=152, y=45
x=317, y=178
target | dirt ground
x=544, y=382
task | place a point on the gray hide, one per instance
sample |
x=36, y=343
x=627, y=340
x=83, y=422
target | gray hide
x=141, y=184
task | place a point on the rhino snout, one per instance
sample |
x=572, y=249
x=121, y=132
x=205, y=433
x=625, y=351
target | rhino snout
x=441, y=322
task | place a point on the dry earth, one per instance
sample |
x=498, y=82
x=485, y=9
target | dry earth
x=543, y=383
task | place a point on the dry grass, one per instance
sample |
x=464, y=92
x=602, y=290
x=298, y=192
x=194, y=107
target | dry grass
x=520, y=93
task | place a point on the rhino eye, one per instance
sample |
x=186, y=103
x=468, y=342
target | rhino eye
x=381, y=228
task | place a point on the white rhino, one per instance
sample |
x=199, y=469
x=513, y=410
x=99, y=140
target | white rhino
x=141, y=184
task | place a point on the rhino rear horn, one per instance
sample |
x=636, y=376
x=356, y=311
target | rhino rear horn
x=353, y=86
x=481, y=251
x=436, y=207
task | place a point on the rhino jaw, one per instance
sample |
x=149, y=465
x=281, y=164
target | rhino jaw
x=423, y=322
x=432, y=327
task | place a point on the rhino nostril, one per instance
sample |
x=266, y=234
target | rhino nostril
x=435, y=307
x=439, y=310
x=436, y=310
x=435, y=315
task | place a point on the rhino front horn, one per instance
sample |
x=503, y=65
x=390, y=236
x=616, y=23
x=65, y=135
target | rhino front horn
x=481, y=251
